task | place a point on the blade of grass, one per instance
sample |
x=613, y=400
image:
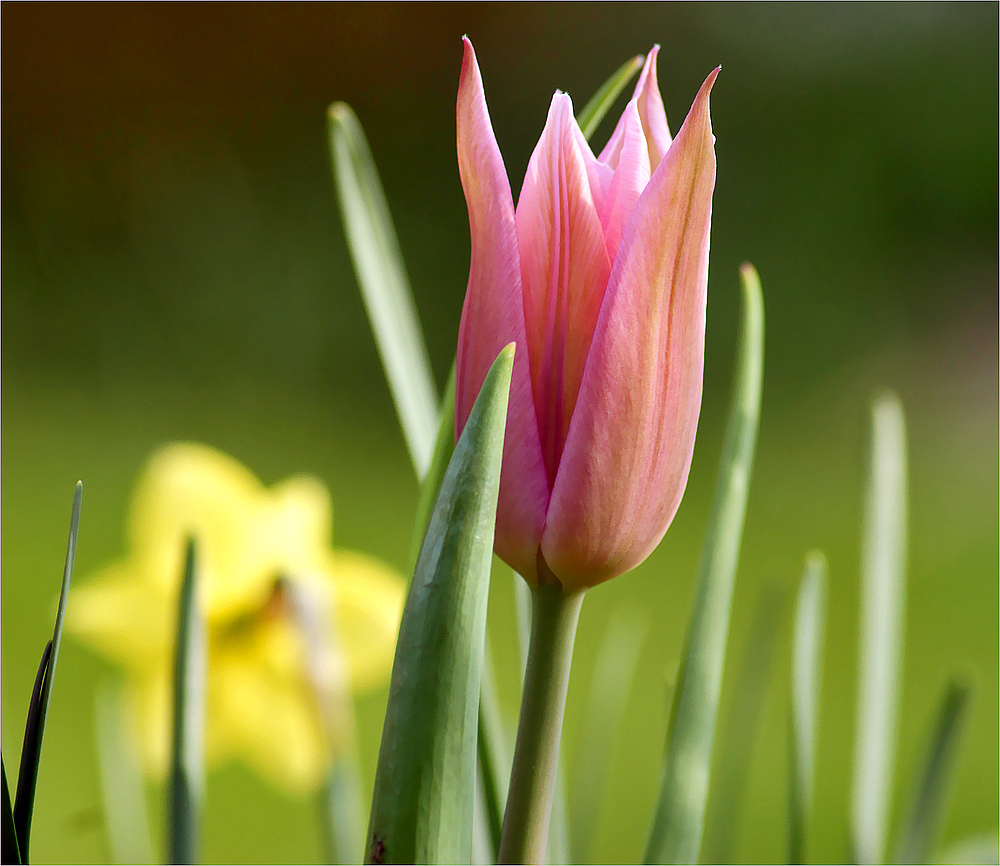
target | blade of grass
x=385, y=288
x=125, y=817
x=600, y=103
x=610, y=684
x=38, y=711
x=738, y=730
x=494, y=757
x=422, y=806
x=11, y=852
x=926, y=814
x=883, y=592
x=680, y=811
x=430, y=484
x=187, y=773
x=807, y=656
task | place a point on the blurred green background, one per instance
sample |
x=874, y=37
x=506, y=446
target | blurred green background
x=174, y=267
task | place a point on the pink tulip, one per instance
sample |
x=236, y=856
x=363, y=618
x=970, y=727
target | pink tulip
x=600, y=277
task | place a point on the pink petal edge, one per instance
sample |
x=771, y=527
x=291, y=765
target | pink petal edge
x=492, y=317
x=629, y=447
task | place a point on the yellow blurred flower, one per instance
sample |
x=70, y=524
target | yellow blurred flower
x=261, y=554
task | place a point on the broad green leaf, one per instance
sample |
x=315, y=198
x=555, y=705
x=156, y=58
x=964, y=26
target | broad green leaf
x=11, y=853
x=807, y=657
x=425, y=779
x=680, y=811
x=738, y=729
x=31, y=752
x=444, y=445
x=126, y=820
x=600, y=103
x=883, y=593
x=609, y=689
x=385, y=288
x=187, y=770
x=916, y=844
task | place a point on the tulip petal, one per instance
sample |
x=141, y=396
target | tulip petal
x=628, y=181
x=492, y=317
x=626, y=458
x=564, y=271
x=650, y=105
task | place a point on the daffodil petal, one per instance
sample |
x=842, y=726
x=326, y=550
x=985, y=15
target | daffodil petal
x=626, y=460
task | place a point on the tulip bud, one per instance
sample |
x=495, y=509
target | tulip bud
x=600, y=277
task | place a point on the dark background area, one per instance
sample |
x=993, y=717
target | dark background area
x=174, y=267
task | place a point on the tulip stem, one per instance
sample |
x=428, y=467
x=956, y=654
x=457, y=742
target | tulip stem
x=554, y=616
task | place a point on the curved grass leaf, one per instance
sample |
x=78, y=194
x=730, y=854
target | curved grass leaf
x=883, y=592
x=738, y=730
x=187, y=772
x=600, y=103
x=430, y=484
x=920, y=831
x=425, y=780
x=385, y=288
x=680, y=811
x=609, y=688
x=807, y=655
x=11, y=852
x=38, y=710
x=125, y=817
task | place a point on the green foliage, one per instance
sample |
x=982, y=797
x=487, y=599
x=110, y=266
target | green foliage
x=424, y=784
x=591, y=115
x=680, y=811
x=187, y=771
x=381, y=273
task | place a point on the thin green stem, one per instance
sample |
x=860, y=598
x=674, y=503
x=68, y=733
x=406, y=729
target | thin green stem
x=554, y=617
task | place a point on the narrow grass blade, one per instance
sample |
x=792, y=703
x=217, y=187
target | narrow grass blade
x=982, y=848
x=125, y=817
x=494, y=757
x=609, y=689
x=187, y=772
x=341, y=812
x=11, y=852
x=807, y=657
x=600, y=103
x=883, y=593
x=31, y=753
x=680, y=811
x=430, y=484
x=385, y=288
x=738, y=731
x=926, y=814
x=425, y=779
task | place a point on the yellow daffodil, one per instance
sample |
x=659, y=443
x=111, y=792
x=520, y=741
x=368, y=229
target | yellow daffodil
x=267, y=576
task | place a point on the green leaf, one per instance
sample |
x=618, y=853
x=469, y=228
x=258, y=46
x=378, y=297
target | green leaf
x=883, y=592
x=600, y=103
x=125, y=816
x=680, y=811
x=11, y=851
x=385, y=288
x=187, y=771
x=926, y=813
x=425, y=780
x=430, y=484
x=807, y=657
x=738, y=730
x=609, y=688
x=38, y=710
x=494, y=757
